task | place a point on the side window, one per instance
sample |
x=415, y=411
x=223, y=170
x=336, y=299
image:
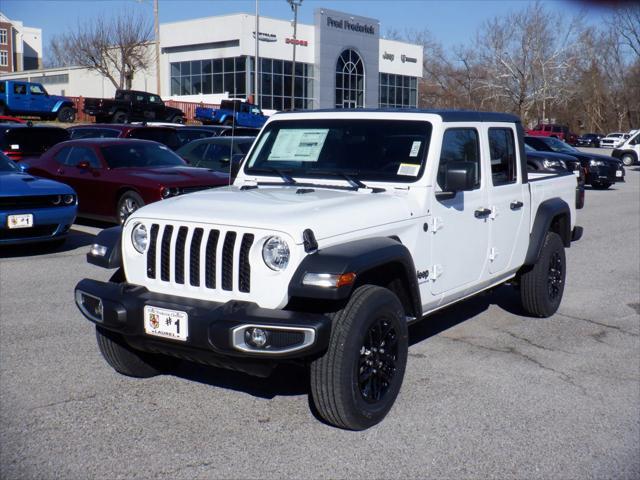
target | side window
x=503, y=156
x=61, y=156
x=557, y=129
x=154, y=99
x=3, y=87
x=82, y=154
x=36, y=90
x=459, y=145
x=139, y=98
x=19, y=88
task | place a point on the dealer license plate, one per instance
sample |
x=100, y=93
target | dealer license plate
x=618, y=173
x=165, y=323
x=24, y=220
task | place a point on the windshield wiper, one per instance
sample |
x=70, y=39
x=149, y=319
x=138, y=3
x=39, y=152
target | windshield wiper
x=355, y=183
x=283, y=173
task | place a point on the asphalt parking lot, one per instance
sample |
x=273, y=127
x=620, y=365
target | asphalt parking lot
x=488, y=393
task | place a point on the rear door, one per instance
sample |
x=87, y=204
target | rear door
x=507, y=198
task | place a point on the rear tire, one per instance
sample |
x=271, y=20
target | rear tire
x=178, y=119
x=129, y=202
x=355, y=383
x=120, y=117
x=542, y=286
x=127, y=361
x=66, y=115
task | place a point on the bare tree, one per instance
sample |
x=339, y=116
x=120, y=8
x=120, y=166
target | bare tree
x=116, y=47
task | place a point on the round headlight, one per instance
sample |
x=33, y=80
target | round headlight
x=56, y=200
x=596, y=163
x=275, y=253
x=67, y=199
x=140, y=238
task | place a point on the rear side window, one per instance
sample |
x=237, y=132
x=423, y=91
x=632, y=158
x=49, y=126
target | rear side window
x=503, y=156
x=82, y=154
x=3, y=87
x=165, y=136
x=459, y=145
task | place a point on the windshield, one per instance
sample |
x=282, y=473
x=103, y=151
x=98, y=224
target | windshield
x=385, y=150
x=559, y=146
x=32, y=140
x=140, y=155
x=7, y=165
x=528, y=148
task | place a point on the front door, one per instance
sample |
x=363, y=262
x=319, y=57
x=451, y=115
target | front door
x=507, y=200
x=459, y=225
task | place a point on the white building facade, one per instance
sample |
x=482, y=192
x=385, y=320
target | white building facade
x=340, y=62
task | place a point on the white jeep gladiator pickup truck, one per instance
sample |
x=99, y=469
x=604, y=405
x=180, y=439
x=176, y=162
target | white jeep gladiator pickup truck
x=340, y=229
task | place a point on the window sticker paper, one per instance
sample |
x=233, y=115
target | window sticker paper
x=301, y=145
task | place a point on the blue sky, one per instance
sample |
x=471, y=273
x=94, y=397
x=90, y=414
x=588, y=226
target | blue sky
x=451, y=22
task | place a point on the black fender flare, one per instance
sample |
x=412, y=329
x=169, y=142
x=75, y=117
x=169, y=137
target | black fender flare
x=359, y=257
x=110, y=239
x=548, y=211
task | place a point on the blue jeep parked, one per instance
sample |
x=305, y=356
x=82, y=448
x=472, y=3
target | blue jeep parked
x=232, y=113
x=31, y=99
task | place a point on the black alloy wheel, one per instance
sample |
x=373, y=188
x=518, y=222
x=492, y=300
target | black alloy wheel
x=555, y=277
x=378, y=360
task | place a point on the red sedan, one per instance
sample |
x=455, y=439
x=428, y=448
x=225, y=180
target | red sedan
x=115, y=177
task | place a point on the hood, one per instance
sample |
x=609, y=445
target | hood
x=552, y=156
x=594, y=156
x=177, y=176
x=59, y=98
x=23, y=184
x=328, y=212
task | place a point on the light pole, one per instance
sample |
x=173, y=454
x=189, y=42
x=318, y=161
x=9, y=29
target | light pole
x=156, y=27
x=256, y=60
x=294, y=6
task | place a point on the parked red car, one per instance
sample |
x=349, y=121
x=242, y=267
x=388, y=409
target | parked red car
x=554, y=130
x=6, y=119
x=115, y=177
x=165, y=135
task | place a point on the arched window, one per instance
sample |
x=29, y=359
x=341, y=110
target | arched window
x=349, y=80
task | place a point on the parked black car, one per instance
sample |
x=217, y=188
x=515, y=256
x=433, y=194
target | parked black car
x=216, y=153
x=601, y=171
x=589, y=140
x=23, y=141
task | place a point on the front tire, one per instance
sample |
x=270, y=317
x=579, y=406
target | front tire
x=542, y=286
x=129, y=202
x=179, y=119
x=127, y=361
x=120, y=117
x=628, y=160
x=355, y=383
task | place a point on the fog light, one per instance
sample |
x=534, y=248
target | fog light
x=89, y=305
x=98, y=250
x=256, y=337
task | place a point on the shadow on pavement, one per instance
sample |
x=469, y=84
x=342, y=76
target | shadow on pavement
x=74, y=239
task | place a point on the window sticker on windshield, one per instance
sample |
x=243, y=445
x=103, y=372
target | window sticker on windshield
x=302, y=145
x=409, y=169
x=415, y=148
x=15, y=146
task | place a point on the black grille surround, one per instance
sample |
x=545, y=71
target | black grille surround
x=32, y=201
x=179, y=251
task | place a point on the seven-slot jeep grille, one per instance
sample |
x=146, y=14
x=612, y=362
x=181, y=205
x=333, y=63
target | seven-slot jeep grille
x=176, y=254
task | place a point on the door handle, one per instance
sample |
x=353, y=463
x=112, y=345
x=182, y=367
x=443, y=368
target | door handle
x=482, y=212
x=516, y=205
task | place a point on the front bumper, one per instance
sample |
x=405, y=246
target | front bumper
x=213, y=326
x=48, y=224
x=605, y=173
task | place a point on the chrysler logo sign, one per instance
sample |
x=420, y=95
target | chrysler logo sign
x=265, y=37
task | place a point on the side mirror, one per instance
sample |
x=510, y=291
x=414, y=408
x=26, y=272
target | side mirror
x=84, y=165
x=23, y=166
x=460, y=177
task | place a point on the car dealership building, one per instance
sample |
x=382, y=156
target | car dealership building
x=340, y=62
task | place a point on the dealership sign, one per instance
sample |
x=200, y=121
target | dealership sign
x=343, y=24
x=296, y=41
x=265, y=37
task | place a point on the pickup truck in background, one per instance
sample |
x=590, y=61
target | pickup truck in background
x=31, y=99
x=132, y=106
x=232, y=113
x=554, y=130
x=629, y=152
x=340, y=229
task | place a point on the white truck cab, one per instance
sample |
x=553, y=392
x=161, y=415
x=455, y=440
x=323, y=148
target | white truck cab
x=629, y=151
x=340, y=229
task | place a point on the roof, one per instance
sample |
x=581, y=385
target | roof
x=446, y=115
x=101, y=142
x=121, y=126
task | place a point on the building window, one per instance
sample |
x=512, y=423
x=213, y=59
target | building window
x=3, y=36
x=275, y=84
x=4, y=59
x=349, y=80
x=398, y=91
x=209, y=76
